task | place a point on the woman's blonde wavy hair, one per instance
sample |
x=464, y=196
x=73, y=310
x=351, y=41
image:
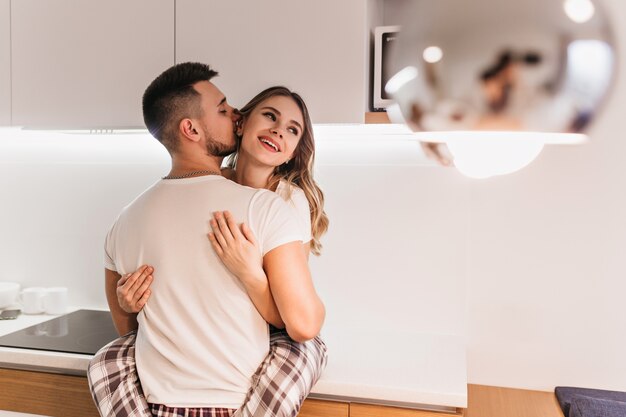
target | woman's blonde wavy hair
x=298, y=170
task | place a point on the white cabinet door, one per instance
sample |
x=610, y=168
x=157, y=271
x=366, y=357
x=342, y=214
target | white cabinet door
x=86, y=63
x=317, y=48
x=5, y=62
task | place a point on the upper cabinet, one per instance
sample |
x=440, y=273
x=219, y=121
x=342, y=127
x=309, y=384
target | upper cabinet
x=84, y=63
x=5, y=62
x=316, y=48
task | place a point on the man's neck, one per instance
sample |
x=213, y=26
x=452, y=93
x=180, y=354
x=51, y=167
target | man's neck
x=182, y=165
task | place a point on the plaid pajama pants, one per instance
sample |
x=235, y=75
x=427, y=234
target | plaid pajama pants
x=279, y=386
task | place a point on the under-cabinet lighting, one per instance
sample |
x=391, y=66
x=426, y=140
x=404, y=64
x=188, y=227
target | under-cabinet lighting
x=579, y=11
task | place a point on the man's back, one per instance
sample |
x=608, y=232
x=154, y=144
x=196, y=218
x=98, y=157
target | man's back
x=200, y=337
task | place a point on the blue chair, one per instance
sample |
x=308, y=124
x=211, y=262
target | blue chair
x=586, y=402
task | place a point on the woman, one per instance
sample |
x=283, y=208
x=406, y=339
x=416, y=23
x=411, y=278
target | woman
x=276, y=152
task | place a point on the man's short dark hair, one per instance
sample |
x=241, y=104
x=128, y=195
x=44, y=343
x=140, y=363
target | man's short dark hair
x=171, y=98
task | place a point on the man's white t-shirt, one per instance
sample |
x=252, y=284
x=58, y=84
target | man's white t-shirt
x=200, y=338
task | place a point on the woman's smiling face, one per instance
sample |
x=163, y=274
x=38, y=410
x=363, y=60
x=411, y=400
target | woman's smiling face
x=272, y=131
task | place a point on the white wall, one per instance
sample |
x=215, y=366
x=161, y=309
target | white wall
x=60, y=195
x=397, y=227
x=546, y=273
x=5, y=62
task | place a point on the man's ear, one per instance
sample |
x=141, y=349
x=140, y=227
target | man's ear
x=189, y=129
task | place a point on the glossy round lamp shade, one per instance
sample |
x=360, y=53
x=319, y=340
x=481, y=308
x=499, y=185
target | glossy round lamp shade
x=542, y=67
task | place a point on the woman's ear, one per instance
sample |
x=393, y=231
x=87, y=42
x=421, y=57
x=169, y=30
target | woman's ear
x=239, y=127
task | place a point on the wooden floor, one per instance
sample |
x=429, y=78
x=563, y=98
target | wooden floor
x=485, y=401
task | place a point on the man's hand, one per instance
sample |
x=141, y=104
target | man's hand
x=133, y=289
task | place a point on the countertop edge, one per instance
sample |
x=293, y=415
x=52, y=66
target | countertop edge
x=44, y=361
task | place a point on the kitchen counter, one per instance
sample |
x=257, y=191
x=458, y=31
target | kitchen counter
x=415, y=370
x=39, y=360
x=412, y=370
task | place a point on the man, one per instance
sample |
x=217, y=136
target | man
x=200, y=339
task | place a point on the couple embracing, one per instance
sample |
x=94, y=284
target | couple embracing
x=206, y=272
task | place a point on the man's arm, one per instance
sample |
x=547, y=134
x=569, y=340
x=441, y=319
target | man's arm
x=124, y=322
x=292, y=287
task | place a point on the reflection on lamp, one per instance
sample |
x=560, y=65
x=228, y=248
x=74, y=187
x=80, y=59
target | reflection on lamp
x=432, y=54
x=484, y=154
x=487, y=157
x=402, y=77
x=580, y=11
x=508, y=85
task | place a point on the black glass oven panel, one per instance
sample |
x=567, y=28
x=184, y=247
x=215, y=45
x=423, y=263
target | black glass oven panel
x=83, y=331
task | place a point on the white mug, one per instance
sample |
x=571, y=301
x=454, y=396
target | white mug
x=55, y=300
x=9, y=292
x=32, y=300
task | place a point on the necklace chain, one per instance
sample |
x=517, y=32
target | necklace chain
x=190, y=174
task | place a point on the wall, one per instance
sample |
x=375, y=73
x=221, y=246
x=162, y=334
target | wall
x=60, y=194
x=395, y=222
x=546, y=274
x=5, y=62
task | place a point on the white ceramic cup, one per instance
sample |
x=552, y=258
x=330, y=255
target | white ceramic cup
x=9, y=292
x=32, y=300
x=55, y=300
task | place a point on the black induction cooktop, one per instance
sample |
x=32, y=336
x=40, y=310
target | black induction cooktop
x=83, y=331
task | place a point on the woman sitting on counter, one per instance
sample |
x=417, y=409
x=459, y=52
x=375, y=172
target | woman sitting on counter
x=290, y=369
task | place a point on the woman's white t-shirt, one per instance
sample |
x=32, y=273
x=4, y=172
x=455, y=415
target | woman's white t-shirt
x=297, y=201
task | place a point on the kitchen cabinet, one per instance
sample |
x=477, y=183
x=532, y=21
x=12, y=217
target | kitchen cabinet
x=46, y=394
x=5, y=62
x=316, y=48
x=322, y=408
x=68, y=396
x=86, y=63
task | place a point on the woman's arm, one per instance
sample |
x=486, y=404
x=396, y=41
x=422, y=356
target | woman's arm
x=236, y=246
x=124, y=321
x=133, y=290
x=126, y=296
x=292, y=287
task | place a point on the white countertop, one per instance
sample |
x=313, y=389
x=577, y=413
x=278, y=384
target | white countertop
x=418, y=370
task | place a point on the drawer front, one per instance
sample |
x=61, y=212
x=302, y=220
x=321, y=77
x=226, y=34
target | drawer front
x=318, y=408
x=47, y=394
